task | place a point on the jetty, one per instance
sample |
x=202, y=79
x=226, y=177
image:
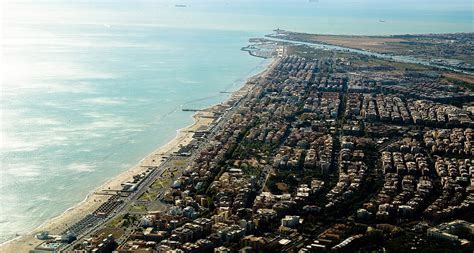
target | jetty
x=190, y=110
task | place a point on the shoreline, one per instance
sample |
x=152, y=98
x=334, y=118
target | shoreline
x=92, y=201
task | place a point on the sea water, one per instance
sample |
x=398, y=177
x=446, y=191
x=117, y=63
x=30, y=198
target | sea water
x=90, y=87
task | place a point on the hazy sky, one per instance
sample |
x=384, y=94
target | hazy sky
x=403, y=15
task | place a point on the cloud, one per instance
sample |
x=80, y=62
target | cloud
x=183, y=80
x=80, y=167
x=18, y=144
x=104, y=101
x=13, y=89
x=26, y=170
x=41, y=121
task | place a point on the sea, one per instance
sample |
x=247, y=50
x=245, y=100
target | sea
x=91, y=87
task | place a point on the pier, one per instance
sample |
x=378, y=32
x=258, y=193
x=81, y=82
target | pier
x=190, y=110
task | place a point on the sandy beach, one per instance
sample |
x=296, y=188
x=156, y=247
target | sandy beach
x=202, y=120
x=56, y=225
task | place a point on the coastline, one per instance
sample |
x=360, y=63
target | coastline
x=92, y=201
x=55, y=225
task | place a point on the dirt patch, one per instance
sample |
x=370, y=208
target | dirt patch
x=465, y=78
x=376, y=44
x=116, y=232
x=282, y=187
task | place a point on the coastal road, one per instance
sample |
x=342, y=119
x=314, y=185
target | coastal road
x=119, y=209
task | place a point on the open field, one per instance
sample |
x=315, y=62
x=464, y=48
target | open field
x=370, y=43
x=376, y=44
x=466, y=81
x=465, y=78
